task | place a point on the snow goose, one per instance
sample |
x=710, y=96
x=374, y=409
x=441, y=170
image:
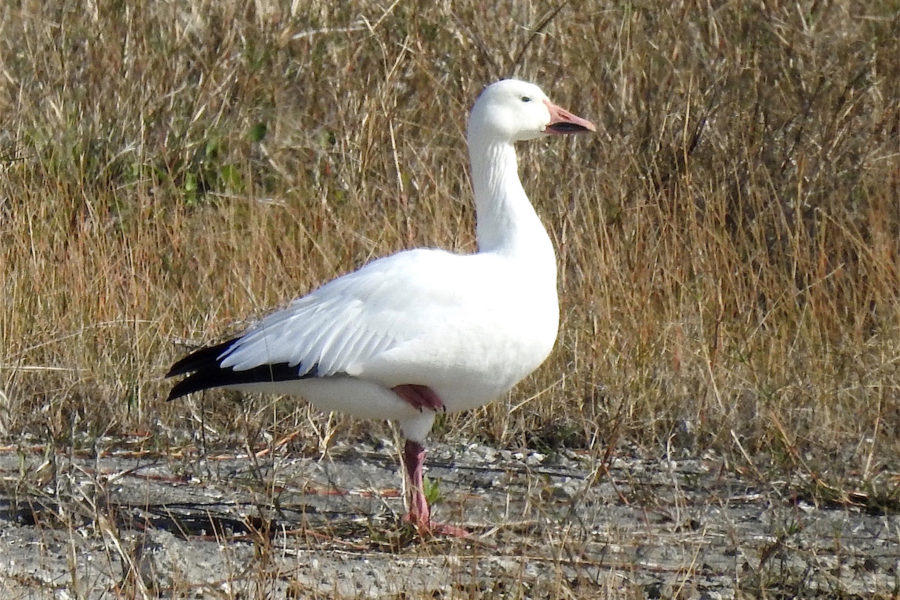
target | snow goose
x=423, y=330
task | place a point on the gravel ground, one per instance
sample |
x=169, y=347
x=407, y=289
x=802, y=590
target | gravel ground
x=543, y=526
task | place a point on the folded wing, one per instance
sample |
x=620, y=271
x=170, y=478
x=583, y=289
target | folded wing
x=338, y=328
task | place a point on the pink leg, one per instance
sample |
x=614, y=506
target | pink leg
x=419, y=396
x=414, y=461
x=419, y=514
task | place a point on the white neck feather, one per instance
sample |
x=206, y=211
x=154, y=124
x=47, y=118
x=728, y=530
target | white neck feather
x=506, y=221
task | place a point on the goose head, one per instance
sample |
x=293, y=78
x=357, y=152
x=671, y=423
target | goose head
x=512, y=111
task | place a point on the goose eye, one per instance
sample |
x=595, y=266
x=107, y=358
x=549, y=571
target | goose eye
x=526, y=99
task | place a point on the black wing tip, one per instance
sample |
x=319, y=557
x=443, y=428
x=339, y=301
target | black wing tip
x=199, y=360
x=182, y=388
x=204, y=371
x=200, y=366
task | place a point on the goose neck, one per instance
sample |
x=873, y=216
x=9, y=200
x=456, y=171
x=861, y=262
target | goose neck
x=506, y=220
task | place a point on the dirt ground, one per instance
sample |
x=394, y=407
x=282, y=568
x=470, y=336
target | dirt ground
x=543, y=526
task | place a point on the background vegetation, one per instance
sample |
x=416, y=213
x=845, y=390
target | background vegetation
x=728, y=242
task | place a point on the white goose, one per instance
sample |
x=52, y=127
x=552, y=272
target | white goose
x=423, y=330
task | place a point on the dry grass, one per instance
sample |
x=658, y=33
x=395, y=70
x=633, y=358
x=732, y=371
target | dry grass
x=729, y=242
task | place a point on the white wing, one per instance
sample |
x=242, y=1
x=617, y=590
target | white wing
x=352, y=320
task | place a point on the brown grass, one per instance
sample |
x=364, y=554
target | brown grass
x=729, y=242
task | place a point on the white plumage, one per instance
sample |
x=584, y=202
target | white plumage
x=421, y=330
